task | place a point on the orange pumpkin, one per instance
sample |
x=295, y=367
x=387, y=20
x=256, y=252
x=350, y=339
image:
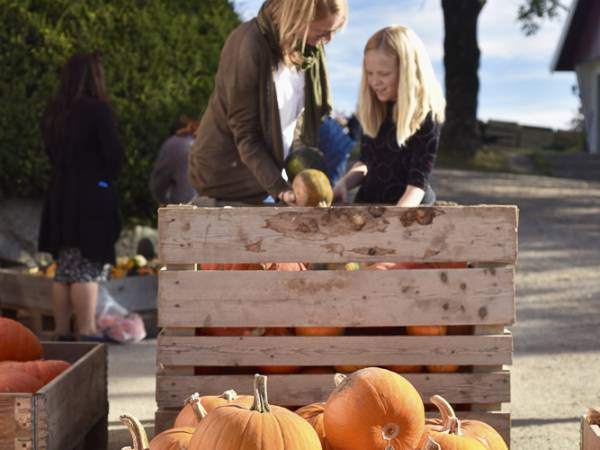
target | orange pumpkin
x=18, y=342
x=15, y=381
x=259, y=427
x=426, y=330
x=442, y=368
x=313, y=414
x=372, y=409
x=463, y=434
x=348, y=368
x=196, y=408
x=405, y=369
x=171, y=439
x=44, y=370
x=319, y=331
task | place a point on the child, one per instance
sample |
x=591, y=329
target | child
x=401, y=108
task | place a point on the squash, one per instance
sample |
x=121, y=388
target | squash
x=374, y=409
x=196, y=408
x=258, y=427
x=18, y=342
x=312, y=188
x=15, y=381
x=313, y=414
x=319, y=331
x=463, y=434
x=171, y=439
x=301, y=159
x=44, y=370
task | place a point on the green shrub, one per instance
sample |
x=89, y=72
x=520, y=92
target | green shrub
x=159, y=56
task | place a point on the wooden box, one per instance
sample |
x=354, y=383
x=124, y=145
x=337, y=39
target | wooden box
x=68, y=413
x=481, y=297
x=590, y=430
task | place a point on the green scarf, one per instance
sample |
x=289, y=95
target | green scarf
x=317, y=96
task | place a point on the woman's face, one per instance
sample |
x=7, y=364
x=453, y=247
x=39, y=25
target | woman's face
x=381, y=70
x=322, y=30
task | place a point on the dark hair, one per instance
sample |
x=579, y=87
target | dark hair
x=81, y=76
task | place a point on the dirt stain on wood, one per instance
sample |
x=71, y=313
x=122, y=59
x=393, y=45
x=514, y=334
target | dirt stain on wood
x=421, y=216
x=312, y=287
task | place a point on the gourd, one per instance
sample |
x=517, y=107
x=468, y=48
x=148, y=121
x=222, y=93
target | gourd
x=312, y=188
x=18, y=342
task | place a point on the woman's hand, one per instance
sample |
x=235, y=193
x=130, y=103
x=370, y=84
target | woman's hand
x=340, y=192
x=287, y=197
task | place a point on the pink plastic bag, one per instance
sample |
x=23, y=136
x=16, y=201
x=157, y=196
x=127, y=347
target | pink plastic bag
x=123, y=329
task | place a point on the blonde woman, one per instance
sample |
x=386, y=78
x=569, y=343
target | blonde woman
x=401, y=108
x=271, y=70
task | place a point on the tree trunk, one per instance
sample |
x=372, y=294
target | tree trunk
x=461, y=63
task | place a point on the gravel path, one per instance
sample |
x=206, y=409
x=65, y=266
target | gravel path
x=556, y=366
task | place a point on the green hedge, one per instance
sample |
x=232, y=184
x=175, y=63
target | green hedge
x=160, y=57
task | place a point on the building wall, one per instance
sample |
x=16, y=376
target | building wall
x=588, y=78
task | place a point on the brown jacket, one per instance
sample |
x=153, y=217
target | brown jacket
x=238, y=151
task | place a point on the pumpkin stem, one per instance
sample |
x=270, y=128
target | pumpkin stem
x=339, y=378
x=137, y=431
x=261, y=402
x=195, y=402
x=229, y=395
x=451, y=423
x=431, y=445
x=389, y=432
x=322, y=204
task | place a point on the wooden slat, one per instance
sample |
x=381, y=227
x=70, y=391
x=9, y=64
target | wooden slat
x=335, y=350
x=300, y=389
x=590, y=435
x=338, y=234
x=16, y=421
x=336, y=298
x=81, y=389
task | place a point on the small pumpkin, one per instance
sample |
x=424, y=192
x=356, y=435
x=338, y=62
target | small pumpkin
x=171, y=439
x=451, y=433
x=426, y=330
x=43, y=369
x=16, y=381
x=373, y=409
x=258, y=427
x=301, y=159
x=18, y=342
x=312, y=188
x=319, y=331
x=196, y=407
x=313, y=413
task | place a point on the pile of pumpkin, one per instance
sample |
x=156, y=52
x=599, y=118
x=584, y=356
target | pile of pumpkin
x=370, y=409
x=22, y=368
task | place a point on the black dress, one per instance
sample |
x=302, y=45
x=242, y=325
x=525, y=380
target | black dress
x=391, y=168
x=81, y=208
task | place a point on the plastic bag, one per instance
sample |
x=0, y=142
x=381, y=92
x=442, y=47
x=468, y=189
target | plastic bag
x=115, y=321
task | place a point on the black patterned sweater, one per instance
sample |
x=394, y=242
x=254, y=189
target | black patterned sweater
x=391, y=168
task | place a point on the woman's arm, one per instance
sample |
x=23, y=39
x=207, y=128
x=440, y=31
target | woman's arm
x=412, y=196
x=241, y=75
x=349, y=181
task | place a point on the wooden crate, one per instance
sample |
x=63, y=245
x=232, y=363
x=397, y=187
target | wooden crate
x=68, y=413
x=27, y=298
x=482, y=297
x=590, y=430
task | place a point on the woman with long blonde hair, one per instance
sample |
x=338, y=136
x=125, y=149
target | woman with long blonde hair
x=271, y=70
x=401, y=109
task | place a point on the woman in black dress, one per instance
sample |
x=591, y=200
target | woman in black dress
x=401, y=108
x=80, y=219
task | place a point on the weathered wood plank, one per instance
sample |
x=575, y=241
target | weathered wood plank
x=336, y=298
x=301, y=389
x=338, y=234
x=336, y=350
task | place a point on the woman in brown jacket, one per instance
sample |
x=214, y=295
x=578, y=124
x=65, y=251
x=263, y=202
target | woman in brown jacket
x=271, y=70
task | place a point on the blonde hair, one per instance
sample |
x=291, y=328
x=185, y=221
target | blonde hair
x=292, y=19
x=419, y=92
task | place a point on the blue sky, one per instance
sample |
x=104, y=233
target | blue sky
x=516, y=82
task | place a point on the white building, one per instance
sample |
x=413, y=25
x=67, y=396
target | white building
x=579, y=50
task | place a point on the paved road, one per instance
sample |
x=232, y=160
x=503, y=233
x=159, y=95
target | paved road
x=556, y=367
